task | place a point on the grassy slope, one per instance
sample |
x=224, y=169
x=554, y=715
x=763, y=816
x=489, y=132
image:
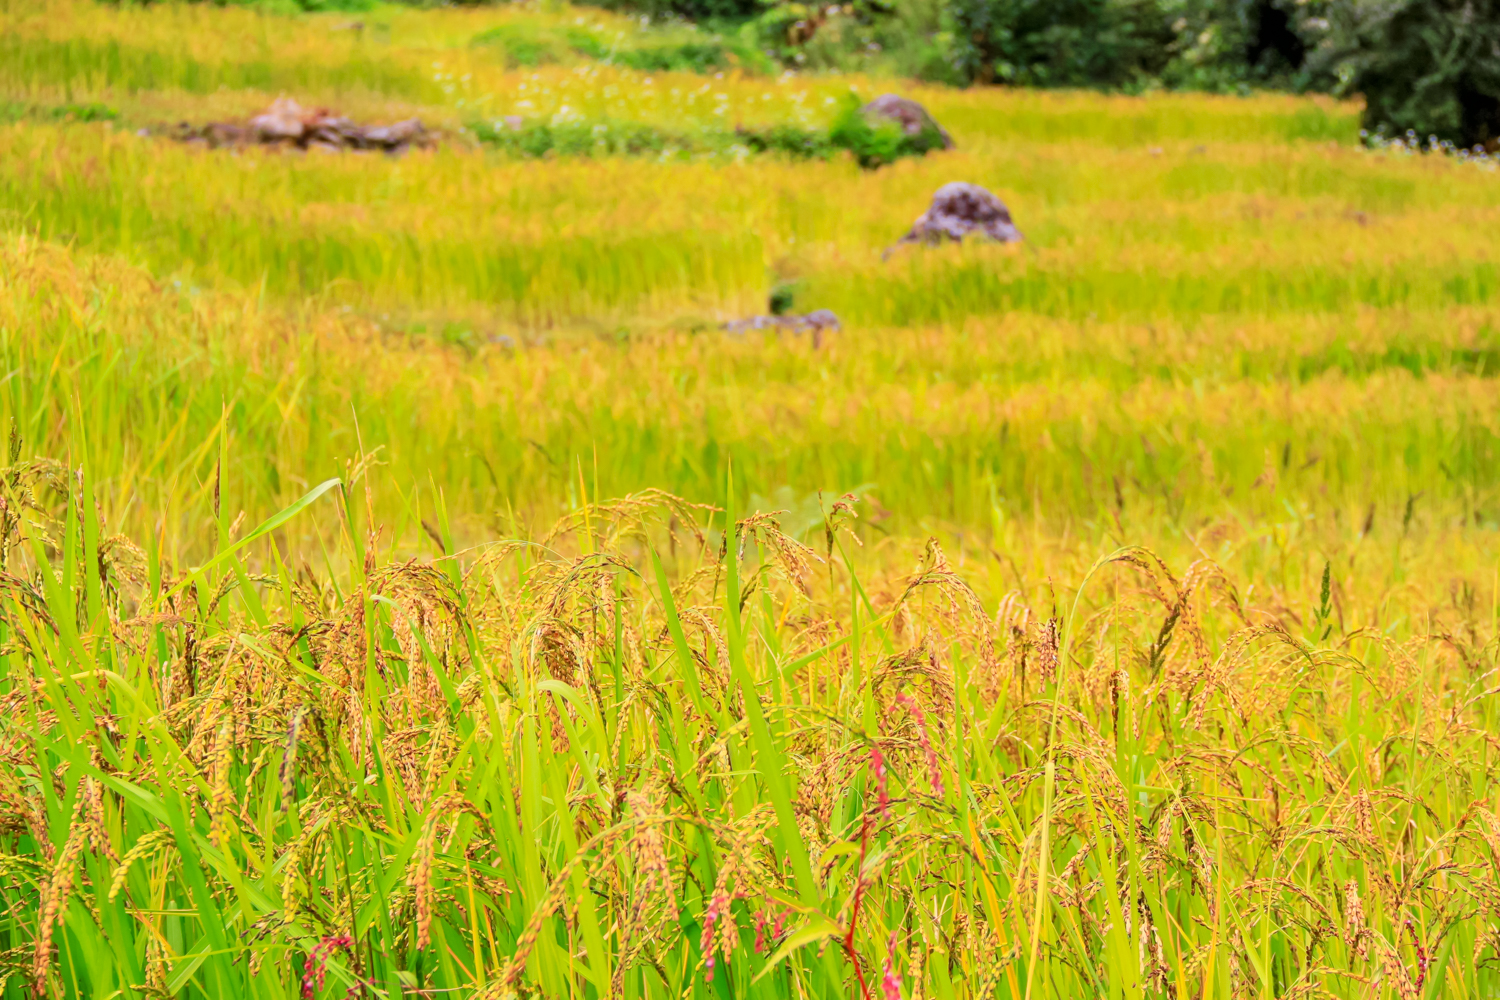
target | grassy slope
x=1225, y=338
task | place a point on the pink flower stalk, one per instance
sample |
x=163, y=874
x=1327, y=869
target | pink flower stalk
x=934, y=769
x=890, y=985
x=778, y=928
x=882, y=792
x=1422, y=957
x=761, y=920
x=316, y=966
x=716, y=907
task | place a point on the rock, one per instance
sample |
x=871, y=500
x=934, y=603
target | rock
x=822, y=319
x=914, y=119
x=959, y=209
x=819, y=320
x=281, y=122
x=391, y=137
x=225, y=134
x=323, y=127
x=816, y=321
x=286, y=123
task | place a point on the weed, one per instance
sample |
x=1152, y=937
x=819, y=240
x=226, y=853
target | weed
x=783, y=296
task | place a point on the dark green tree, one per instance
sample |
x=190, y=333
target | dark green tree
x=1429, y=66
x=1059, y=43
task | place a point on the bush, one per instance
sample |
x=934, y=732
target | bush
x=1059, y=43
x=877, y=143
x=1228, y=45
x=873, y=144
x=581, y=138
x=798, y=143
x=691, y=10
x=1431, y=66
x=692, y=57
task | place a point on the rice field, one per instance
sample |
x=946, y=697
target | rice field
x=408, y=588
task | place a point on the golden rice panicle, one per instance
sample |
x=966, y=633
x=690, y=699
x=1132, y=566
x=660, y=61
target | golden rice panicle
x=144, y=848
x=55, y=893
x=1356, y=933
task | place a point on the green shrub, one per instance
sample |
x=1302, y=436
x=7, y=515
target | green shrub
x=873, y=144
x=798, y=143
x=691, y=57
x=691, y=10
x=581, y=138
x=876, y=143
x=525, y=44
x=782, y=298
x=1432, y=66
x=1429, y=66
x=1059, y=43
x=91, y=112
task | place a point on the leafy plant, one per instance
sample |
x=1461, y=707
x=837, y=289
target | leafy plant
x=92, y=111
x=782, y=298
x=701, y=11
x=688, y=57
x=873, y=143
x=876, y=142
x=1429, y=66
x=1229, y=45
x=1058, y=43
x=530, y=45
x=578, y=138
x=800, y=143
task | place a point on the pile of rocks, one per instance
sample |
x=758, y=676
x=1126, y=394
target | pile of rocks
x=959, y=209
x=285, y=123
x=817, y=322
x=915, y=121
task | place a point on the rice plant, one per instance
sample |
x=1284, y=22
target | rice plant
x=664, y=750
x=1114, y=615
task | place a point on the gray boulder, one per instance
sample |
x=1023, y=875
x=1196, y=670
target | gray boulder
x=287, y=123
x=281, y=122
x=914, y=120
x=959, y=209
x=816, y=322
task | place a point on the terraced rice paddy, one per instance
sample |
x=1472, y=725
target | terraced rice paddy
x=410, y=589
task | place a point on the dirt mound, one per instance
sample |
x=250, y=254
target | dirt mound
x=286, y=123
x=959, y=209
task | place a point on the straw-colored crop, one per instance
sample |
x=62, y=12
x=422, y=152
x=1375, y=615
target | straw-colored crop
x=546, y=768
x=1114, y=615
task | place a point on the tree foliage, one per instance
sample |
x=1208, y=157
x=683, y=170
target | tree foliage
x=1429, y=66
x=1069, y=43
